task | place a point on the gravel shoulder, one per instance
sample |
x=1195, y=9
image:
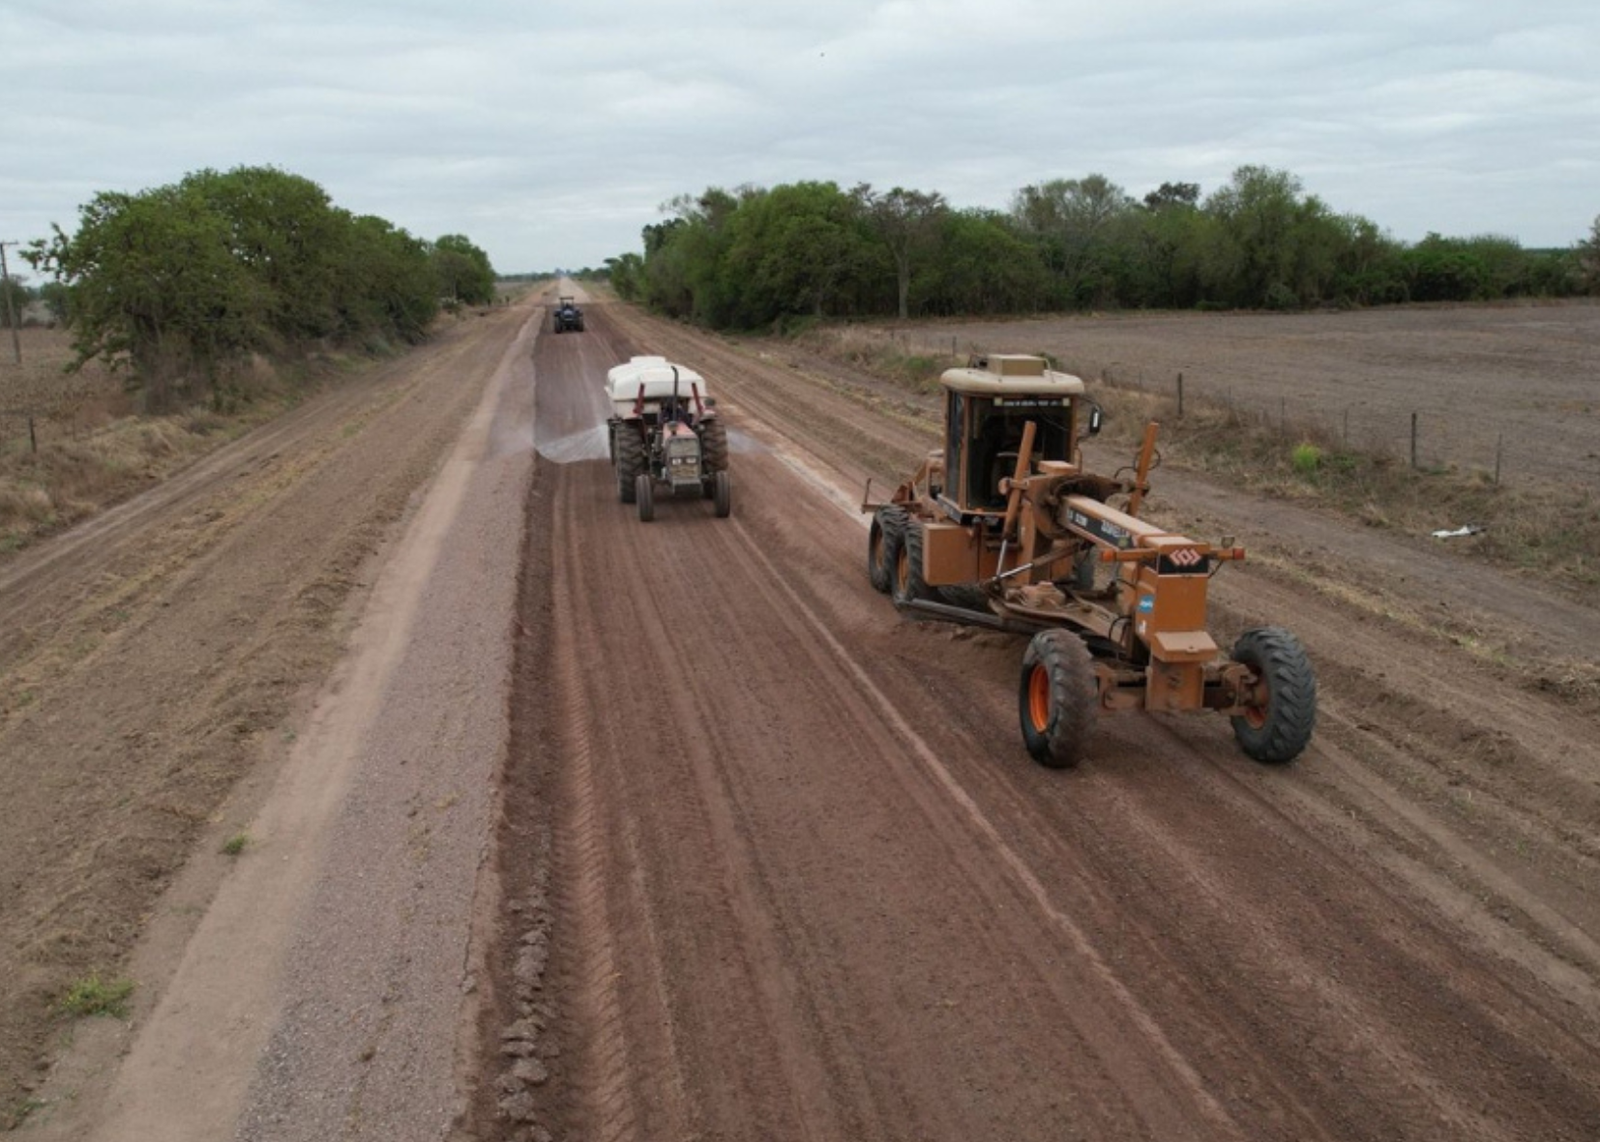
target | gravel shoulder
x=162, y=670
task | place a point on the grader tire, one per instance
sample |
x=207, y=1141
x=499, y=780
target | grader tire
x=909, y=584
x=1056, y=698
x=630, y=461
x=1278, y=728
x=883, y=546
x=714, y=446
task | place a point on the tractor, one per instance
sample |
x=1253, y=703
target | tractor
x=665, y=433
x=1004, y=528
x=567, y=317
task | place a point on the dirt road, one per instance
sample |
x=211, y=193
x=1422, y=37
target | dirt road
x=796, y=877
x=762, y=859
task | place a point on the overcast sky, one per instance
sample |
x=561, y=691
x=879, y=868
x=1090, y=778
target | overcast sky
x=550, y=133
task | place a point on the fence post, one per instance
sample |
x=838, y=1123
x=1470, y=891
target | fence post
x=1499, y=446
x=1283, y=416
x=33, y=440
x=1344, y=441
x=1413, y=440
x=1180, y=396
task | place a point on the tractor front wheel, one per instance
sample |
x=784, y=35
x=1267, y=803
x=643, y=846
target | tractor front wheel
x=645, y=493
x=910, y=584
x=1281, y=706
x=1056, y=698
x=722, y=494
x=883, y=546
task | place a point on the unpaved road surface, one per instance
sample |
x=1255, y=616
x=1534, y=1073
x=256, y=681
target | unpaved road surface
x=733, y=851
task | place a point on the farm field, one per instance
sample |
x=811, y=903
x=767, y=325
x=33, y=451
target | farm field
x=555, y=823
x=1524, y=378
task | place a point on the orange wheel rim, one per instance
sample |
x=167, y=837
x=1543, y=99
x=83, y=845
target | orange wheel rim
x=1256, y=713
x=1039, y=698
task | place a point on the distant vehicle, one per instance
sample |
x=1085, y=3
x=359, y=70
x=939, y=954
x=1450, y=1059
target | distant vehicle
x=568, y=318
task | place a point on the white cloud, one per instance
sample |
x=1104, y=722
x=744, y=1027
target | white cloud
x=551, y=134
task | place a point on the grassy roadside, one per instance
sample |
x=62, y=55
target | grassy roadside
x=1544, y=529
x=94, y=449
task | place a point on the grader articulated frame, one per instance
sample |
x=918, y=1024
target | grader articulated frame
x=1004, y=528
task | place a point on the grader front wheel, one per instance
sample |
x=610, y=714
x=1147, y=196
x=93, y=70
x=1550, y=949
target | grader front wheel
x=1056, y=698
x=909, y=583
x=883, y=546
x=1277, y=722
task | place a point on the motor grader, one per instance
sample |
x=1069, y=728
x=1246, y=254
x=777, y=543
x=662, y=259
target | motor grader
x=664, y=433
x=1004, y=528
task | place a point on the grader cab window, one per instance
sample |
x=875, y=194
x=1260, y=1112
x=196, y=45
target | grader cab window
x=993, y=427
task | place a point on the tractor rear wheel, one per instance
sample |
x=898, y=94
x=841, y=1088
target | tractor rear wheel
x=1277, y=722
x=714, y=445
x=644, y=491
x=1056, y=698
x=722, y=494
x=909, y=582
x=883, y=546
x=630, y=460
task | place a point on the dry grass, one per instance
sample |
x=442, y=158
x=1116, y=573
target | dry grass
x=1552, y=530
x=87, y=447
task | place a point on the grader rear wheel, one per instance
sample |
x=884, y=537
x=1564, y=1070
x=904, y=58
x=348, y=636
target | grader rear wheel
x=1056, y=698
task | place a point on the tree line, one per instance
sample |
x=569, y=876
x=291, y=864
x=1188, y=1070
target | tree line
x=756, y=257
x=184, y=284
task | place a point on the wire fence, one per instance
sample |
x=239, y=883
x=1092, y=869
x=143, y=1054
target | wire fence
x=1506, y=443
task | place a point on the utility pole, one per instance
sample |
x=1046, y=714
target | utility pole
x=11, y=313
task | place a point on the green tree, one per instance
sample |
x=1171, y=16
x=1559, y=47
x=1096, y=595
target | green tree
x=284, y=231
x=14, y=301
x=1588, y=256
x=982, y=266
x=55, y=297
x=793, y=250
x=385, y=282
x=1272, y=247
x=463, y=270
x=907, y=222
x=1173, y=194
x=154, y=285
x=1080, y=225
x=625, y=272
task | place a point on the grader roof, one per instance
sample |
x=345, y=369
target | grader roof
x=1014, y=374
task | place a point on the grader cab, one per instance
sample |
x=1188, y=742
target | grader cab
x=1004, y=527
